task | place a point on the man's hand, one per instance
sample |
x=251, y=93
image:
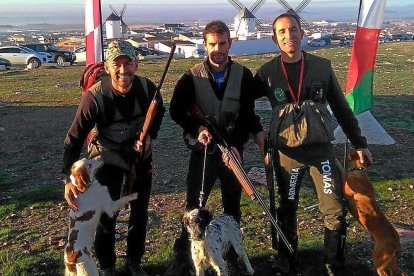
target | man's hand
x=70, y=194
x=226, y=157
x=204, y=136
x=365, y=157
x=139, y=145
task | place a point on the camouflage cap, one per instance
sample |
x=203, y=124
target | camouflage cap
x=119, y=48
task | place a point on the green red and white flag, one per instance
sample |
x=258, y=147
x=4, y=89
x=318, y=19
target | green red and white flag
x=93, y=31
x=359, y=86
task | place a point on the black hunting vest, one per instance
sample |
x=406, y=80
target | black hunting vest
x=309, y=124
x=115, y=135
x=227, y=110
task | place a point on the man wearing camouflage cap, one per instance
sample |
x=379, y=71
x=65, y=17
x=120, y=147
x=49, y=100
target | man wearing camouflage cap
x=116, y=107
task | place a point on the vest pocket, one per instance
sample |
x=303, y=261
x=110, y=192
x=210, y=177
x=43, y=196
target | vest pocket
x=308, y=124
x=229, y=114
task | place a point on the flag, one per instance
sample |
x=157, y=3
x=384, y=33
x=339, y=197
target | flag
x=359, y=84
x=93, y=31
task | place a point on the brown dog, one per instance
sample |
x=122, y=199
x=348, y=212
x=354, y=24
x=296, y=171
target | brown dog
x=360, y=196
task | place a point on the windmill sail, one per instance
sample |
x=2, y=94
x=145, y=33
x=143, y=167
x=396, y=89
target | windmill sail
x=93, y=31
x=248, y=13
x=296, y=11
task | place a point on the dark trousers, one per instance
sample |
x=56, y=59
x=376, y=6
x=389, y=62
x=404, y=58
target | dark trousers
x=230, y=189
x=319, y=162
x=112, y=177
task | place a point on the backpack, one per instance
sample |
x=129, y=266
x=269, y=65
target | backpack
x=92, y=74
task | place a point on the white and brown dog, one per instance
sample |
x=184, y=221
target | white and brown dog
x=92, y=201
x=212, y=239
x=362, y=205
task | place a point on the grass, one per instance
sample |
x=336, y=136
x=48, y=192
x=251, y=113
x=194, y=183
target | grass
x=37, y=210
x=59, y=86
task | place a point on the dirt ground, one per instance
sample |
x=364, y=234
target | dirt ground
x=31, y=147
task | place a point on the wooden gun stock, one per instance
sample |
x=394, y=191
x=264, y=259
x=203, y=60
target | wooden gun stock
x=240, y=174
x=149, y=118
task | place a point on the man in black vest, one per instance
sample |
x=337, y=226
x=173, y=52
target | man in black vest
x=298, y=86
x=222, y=89
x=116, y=107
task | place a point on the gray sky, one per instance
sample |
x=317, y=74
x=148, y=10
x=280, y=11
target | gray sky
x=21, y=12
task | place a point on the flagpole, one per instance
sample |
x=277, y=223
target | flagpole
x=93, y=32
x=100, y=22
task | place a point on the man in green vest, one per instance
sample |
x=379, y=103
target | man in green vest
x=299, y=85
x=223, y=90
x=116, y=107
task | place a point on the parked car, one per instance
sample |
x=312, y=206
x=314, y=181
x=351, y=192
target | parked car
x=20, y=55
x=6, y=63
x=318, y=43
x=144, y=51
x=347, y=41
x=199, y=53
x=147, y=53
x=58, y=56
x=80, y=54
x=384, y=40
x=327, y=39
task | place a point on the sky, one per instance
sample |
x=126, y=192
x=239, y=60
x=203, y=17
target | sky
x=22, y=12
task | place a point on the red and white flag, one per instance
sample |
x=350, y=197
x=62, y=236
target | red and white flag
x=359, y=88
x=93, y=31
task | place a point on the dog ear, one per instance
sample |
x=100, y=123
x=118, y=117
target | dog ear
x=185, y=220
x=81, y=176
x=206, y=216
x=355, y=162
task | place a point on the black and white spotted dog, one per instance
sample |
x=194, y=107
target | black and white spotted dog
x=93, y=200
x=212, y=239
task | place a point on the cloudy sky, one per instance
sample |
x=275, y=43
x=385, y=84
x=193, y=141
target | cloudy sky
x=21, y=12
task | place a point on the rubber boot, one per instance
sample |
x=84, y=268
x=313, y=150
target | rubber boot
x=285, y=261
x=334, y=251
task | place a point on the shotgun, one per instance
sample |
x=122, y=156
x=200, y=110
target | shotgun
x=149, y=118
x=237, y=169
x=152, y=109
x=270, y=180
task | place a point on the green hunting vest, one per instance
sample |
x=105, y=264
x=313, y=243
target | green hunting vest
x=114, y=135
x=226, y=111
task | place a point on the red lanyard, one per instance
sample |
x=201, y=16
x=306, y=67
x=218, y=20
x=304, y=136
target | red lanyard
x=292, y=94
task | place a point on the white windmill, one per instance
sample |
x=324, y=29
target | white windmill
x=245, y=21
x=115, y=26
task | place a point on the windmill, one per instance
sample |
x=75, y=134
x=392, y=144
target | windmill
x=245, y=21
x=296, y=11
x=115, y=24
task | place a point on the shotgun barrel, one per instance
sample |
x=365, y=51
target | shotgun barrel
x=270, y=181
x=149, y=118
x=152, y=110
x=237, y=169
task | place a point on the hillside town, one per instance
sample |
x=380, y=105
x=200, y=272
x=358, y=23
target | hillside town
x=250, y=36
